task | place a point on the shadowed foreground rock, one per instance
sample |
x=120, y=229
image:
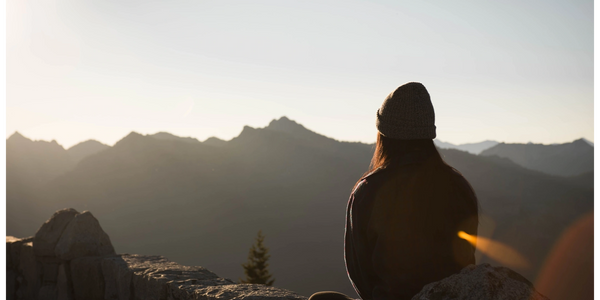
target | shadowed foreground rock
x=47, y=236
x=83, y=236
x=481, y=282
x=83, y=265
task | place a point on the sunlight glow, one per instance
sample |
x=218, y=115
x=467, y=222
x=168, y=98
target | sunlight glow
x=568, y=272
x=496, y=251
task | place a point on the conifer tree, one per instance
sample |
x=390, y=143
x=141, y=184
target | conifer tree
x=256, y=269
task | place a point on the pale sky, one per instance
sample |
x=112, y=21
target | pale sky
x=510, y=71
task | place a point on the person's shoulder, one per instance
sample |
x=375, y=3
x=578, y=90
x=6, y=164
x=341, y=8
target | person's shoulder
x=369, y=181
x=453, y=172
x=459, y=179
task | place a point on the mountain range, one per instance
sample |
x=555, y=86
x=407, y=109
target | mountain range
x=569, y=159
x=473, y=148
x=202, y=203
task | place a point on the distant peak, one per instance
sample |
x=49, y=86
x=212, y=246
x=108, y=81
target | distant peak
x=92, y=141
x=169, y=136
x=248, y=129
x=133, y=134
x=589, y=142
x=17, y=136
x=214, y=141
x=214, y=138
x=286, y=125
x=281, y=121
x=163, y=133
x=88, y=143
x=583, y=141
x=132, y=137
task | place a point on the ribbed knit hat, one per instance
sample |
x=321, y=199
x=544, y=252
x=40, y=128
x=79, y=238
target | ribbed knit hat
x=407, y=114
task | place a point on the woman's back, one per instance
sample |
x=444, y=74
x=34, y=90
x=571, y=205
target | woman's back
x=402, y=226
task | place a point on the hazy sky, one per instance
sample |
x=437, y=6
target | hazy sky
x=512, y=71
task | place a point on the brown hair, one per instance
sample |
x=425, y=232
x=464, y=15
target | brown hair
x=388, y=151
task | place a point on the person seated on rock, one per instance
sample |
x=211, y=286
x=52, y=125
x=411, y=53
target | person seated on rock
x=404, y=214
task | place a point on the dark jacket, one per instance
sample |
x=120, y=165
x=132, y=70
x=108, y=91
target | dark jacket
x=402, y=225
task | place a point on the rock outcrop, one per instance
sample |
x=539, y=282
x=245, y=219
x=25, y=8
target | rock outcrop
x=83, y=236
x=477, y=282
x=72, y=258
x=48, y=235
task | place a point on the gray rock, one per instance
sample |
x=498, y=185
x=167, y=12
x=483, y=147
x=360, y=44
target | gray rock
x=48, y=292
x=49, y=272
x=11, y=285
x=117, y=278
x=158, y=278
x=6, y=241
x=31, y=270
x=63, y=283
x=155, y=277
x=13, y=251
x=481, y=282
x=49, y=233
x=245, y=292
x=87, y=278
x=83, y=236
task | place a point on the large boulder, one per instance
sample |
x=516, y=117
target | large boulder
x=11, y=284
x=83, y=236
x=117, y=278
x=63, y=283
x=87, y=278
x=481, y=282
x=48, y=235
x=31, y=270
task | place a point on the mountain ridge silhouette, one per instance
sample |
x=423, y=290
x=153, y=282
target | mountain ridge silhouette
x=201, y=205
x=568, y=159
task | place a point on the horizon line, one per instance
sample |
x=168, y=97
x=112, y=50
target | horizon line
x=202, y=141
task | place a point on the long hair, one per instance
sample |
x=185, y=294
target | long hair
x=389, y=151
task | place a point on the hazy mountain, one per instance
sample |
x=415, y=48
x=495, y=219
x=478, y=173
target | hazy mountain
x=444, y=145
x=567, y=159
x=347, y=150
x=202, y=205
x=473, y=148
x=214, y=141
x=585, y=179
x=35, y=162
x=29, y=165
x=168, y=136
x=84, y=149
x=590, y=143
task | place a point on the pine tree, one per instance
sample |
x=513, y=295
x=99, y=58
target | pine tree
x=256, y=269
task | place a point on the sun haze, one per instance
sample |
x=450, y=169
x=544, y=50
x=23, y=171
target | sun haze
x=508, y=71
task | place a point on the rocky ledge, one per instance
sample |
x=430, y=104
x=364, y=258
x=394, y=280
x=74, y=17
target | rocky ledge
x=476, y=282
x=72, y=258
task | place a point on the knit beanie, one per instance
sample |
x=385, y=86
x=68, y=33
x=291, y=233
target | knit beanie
x=407, y=114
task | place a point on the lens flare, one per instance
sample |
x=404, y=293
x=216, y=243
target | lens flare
x=496, y=251
x=568, y=272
